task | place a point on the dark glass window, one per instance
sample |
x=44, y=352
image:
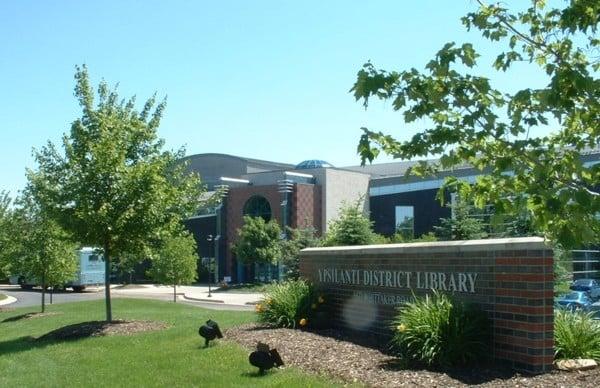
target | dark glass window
x=258, y=206
x=405, y=221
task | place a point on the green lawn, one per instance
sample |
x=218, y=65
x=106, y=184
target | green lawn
x=171, y=357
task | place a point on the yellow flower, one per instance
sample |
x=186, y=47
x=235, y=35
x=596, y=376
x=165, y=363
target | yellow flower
x=303, y=322
x=321, y=300
x=259, y=308
x=401, y=328
x=313, y=306
x=269, y=300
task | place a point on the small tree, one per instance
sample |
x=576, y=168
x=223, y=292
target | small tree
x=7, y=233
x=351, y=228
x=258, y=241
x=563, y=270
x=113, y=186
x=462, y=225
x=128, y=261
x=45, y=253
x=298, y=239
x=176, y=262
x=399, y=238
x=512, y=225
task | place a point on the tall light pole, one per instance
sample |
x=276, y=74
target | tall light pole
x=221, y=191
x=285, y=187
x=210, y=240
x=215, y=259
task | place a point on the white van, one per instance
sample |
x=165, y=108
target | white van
x=90, y=272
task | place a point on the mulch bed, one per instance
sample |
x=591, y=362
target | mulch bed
x=102, y=328
x=332, y=353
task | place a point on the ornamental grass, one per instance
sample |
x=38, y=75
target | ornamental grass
x=576, y=335
x=437, y=330
x=289, y=304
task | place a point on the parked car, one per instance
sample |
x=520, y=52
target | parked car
x=573, y=301
x=591, y=286
x=594, y=310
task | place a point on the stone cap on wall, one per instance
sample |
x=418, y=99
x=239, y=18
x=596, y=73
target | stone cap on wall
x=515, y=243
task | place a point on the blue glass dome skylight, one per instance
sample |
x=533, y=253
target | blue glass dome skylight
x=313, y=163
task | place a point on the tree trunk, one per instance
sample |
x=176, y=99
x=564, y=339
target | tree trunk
x=51, y=295
x=107, y=281
x=174, y=293
x=43, y=293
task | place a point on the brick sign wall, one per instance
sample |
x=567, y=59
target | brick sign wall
x=511, y=279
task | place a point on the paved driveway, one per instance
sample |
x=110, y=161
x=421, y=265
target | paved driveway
x=26, y=298
x=29, y=298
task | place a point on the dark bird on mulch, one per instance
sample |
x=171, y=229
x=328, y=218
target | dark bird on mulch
x=264, y=358
x=210, y=331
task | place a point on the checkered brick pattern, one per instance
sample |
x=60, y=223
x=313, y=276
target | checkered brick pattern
x=306, y=207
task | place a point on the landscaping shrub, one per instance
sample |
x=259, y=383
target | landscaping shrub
x=576, y=335
x=437, y=330
x=289, y=304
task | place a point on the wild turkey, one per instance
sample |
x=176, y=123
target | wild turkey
x=210, y=331
x=265, y=359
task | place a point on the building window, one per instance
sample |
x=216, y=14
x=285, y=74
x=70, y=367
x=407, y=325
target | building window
x=405, y=221
x=258, y=206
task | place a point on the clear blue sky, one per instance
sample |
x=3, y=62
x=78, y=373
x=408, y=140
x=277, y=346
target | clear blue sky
x=262, y=79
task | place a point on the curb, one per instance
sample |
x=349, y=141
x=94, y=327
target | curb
x=203, y=299
x=8, y=300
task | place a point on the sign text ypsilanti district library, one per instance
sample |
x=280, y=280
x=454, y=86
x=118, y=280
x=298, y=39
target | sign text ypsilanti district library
x=443, y=281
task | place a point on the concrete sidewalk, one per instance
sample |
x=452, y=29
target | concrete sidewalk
x=193, y=293
x=8, y=300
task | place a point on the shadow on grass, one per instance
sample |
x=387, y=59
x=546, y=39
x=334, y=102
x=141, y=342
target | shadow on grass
x=76, y=332
x=28, y=316
x=18, y=317
x=67, y=333
x=21, y=344
x=212, y=344
x=257, y=373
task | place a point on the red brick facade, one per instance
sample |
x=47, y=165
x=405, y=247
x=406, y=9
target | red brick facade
x=512, y=282
x=305, y=210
